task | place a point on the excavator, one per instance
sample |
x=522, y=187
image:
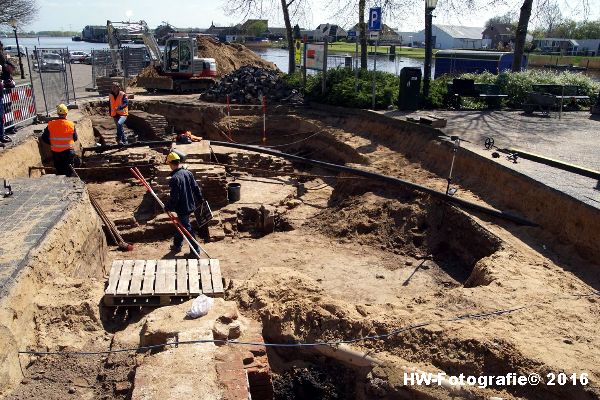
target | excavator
x=178, y=68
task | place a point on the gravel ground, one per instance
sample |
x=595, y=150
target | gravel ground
x=574, y=139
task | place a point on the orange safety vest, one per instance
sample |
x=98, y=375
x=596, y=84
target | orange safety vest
x=116, y=103
x=61, y=135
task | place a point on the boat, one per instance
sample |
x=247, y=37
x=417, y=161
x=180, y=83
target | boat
x=76, y=38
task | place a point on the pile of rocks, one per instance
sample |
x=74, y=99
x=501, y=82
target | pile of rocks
x=248, y=84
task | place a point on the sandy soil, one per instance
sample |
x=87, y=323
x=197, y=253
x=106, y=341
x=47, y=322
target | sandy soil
x=350, y=258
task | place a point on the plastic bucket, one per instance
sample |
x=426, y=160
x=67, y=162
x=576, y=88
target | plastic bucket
x=234, y=192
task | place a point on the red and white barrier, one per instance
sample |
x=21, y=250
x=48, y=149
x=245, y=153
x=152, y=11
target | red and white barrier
x=19, y=105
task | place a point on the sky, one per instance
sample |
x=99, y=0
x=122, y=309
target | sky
x=74, y=15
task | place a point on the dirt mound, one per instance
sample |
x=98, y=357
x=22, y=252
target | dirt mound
x=230, y=56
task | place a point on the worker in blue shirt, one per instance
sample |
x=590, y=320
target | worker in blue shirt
x=184, y=193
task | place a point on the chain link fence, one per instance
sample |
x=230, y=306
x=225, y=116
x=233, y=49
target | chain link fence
x=52, y=78
x=127, y=62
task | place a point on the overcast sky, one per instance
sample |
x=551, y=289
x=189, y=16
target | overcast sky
x=74, y=15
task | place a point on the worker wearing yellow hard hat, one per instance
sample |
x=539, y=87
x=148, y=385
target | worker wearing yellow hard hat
x=61, y=135
x=185, y=194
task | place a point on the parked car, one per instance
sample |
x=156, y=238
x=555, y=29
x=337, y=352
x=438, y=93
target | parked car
x=78, y=56
x=52, y=62
x=12, y=50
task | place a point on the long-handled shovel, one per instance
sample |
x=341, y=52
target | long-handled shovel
x=113, y=232
x=184, y=232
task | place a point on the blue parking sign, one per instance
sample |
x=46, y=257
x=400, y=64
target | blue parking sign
x=375, y=19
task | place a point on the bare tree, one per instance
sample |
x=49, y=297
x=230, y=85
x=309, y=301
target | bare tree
x=289, y=8
x=362, y=29
x=521, y=34
x=392, y=9
x=23, y=11
x=549, y=17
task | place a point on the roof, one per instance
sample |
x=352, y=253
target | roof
x=500, y=29
x=590, y=44
x=461, y=32
x=572, y=41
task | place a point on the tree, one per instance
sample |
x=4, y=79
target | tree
x=362, y=28
x=508, y=18
x=289, y=8
x=521, y=35
x=550, y=17
x=257, y=28
x=23, y=11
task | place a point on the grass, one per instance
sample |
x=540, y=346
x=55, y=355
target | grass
x=540, y=59
x=343, y=47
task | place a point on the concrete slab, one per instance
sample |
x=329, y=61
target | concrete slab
x=27, y=216
x=572, y=139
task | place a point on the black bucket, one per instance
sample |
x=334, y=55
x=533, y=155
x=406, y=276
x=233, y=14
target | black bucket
x=234, y=192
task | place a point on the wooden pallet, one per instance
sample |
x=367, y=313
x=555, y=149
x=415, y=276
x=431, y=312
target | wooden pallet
x=161, y=282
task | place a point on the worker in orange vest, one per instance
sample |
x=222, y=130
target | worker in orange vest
x=61, y=135
x=119, y=110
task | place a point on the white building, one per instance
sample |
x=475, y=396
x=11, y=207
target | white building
x=406, y=38
x=455, y=37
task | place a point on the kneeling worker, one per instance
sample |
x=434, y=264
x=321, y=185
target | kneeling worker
x=183, y=189
x=61, y=135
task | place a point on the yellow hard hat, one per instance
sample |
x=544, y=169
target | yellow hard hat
x=61, y=109
x=173, y=157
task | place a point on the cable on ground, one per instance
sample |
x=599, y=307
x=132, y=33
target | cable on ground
x=395, y=332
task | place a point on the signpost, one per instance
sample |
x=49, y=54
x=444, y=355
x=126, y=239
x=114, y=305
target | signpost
x=374, y=28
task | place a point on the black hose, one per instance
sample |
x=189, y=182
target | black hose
x=385, y=178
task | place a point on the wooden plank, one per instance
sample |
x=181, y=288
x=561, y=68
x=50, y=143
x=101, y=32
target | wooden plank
x=205, y=277
x=113, y=279
x=170, y=277
x=123, y=286
x=135, y=287
x=161, y=276
x=217, y=280
x=194, y=278
x=182, y=277
x=149, y=275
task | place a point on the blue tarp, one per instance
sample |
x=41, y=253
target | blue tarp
x=456, y=62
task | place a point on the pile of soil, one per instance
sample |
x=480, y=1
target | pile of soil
x=230, y=56
x=248, y=84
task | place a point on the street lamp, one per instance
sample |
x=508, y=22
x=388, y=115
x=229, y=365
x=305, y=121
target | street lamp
x=13, y=23
x=429, y=7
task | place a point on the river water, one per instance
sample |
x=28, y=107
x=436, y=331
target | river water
x=274, y=55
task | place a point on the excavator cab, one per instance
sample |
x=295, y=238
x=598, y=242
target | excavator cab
x=179, y=56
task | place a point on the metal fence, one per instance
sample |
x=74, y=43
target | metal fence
x=52, y=77
x=127, y=62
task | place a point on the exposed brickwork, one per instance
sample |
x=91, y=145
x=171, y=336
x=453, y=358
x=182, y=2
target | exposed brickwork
x=231, y=373
x=258, y=370
x=151, y=126
x=27, y=216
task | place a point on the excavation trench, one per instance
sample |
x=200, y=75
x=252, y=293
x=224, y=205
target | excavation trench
x=308, y=255
x=441, y=245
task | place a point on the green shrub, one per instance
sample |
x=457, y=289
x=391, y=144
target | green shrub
x=341, y=88
x=517, y=84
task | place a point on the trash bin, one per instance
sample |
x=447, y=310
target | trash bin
x=410, y=88
x=234, y=192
